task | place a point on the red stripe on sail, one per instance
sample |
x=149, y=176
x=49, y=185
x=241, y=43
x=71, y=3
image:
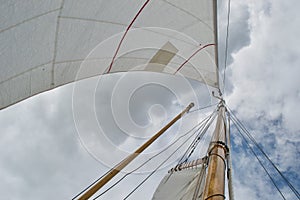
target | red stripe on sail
x=129, y=26
x=187, y=60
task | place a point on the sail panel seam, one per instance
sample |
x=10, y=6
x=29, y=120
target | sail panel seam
x=31, y=69
x=56, y=42
x=93, y=20
x=187, y=12
x=29, y=19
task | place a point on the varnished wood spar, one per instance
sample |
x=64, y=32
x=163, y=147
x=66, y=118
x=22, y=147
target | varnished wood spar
x=127, y=160
x=215, y=179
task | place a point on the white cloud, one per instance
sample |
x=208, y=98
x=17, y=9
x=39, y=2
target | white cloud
x=264, y=75
x=265, y=72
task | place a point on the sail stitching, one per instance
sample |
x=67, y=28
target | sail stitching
x=29, y=19
x=187, y=12
x=121, y=24
x=56, y=42
x=15, y=76
x=92, y=20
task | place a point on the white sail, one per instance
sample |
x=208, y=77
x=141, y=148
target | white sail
x=45, y=43
x=181, y=185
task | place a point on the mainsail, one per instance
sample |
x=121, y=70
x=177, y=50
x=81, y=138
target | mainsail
x=49, y=43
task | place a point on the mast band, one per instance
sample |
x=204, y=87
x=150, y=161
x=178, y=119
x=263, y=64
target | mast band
x=219, y=144
x=213, y=195
x=215, y=154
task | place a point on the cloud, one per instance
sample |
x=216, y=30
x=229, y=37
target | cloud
x=265, y=84
x=39, y=149
x=266, y=69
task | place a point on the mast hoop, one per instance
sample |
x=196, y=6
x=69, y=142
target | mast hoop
x=218, y=144
x=215, y=154
x=213, y=195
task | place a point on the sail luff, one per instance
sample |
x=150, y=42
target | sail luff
x=215, y=179
x=199, y=183
x=215, y=23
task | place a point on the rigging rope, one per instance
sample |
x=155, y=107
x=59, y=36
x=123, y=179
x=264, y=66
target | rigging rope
x=262, y=151
x=141, y=183
x=85, y=189
x=256, y=156
x=207, y=119
x=179, y=138
x=228, y=158
x=226, y=44
x=198, y=109
x=200, y=136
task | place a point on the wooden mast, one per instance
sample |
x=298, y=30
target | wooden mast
x=215, y=179
x=116, y=169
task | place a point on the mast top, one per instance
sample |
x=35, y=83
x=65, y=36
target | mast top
x=222, y=101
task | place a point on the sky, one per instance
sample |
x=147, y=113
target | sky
x=52, y=147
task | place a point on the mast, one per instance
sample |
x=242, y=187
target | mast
x=116, y=169
x=215, y=179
